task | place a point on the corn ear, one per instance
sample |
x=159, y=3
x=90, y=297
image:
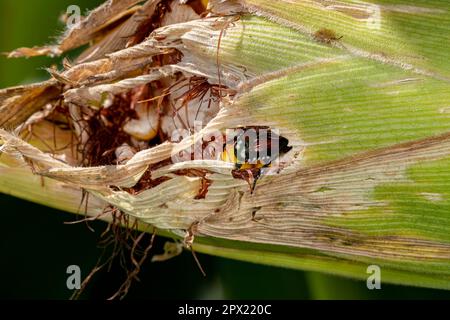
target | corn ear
x=363, y=102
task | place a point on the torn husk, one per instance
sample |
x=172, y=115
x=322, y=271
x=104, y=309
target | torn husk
x=364, y=175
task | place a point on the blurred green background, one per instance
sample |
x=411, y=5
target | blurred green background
x=36, y=246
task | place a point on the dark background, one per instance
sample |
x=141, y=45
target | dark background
x=36, y=246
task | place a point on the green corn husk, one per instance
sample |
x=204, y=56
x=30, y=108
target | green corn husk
x=365, y=108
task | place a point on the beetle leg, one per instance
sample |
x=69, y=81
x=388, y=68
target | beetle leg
x=254, y=176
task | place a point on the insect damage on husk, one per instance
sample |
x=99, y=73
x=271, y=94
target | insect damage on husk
x=118, y=103
x=114, y=110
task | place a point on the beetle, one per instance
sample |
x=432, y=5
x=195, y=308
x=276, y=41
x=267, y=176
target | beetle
x=251, y=149
x=326, y=36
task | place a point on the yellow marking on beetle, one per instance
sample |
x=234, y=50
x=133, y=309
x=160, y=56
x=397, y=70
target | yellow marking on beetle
x=229, y=155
